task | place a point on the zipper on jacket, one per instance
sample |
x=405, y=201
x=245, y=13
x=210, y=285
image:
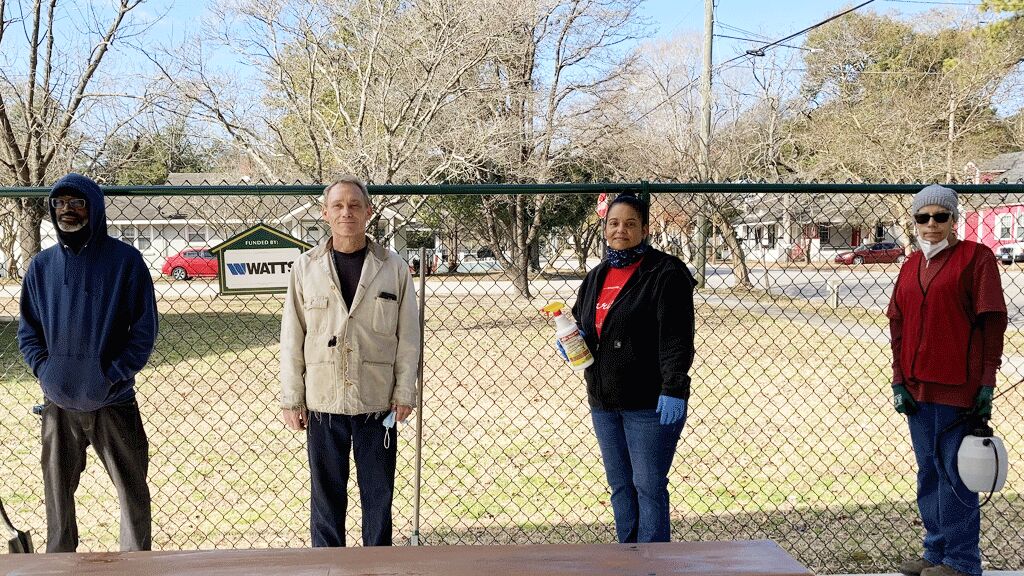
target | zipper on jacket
x=618, y=298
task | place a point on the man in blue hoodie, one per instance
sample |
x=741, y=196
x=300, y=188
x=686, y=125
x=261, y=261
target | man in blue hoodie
x=88, y=324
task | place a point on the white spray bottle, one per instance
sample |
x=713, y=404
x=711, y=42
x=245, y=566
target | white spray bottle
x=568, y=334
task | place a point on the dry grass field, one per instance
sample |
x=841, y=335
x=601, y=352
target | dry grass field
x=790, y=437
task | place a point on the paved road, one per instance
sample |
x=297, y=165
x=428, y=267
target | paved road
x=867, y=286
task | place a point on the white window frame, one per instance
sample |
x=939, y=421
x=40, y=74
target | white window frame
x=1020, y=226
x=825, y=233
x=146, y=234
x=1004, y=226
x=198, y=230
x=128, y=234
x=135, y=235
x=309, y=231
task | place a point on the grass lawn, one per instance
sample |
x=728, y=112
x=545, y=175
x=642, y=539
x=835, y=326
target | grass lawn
x=790, y=436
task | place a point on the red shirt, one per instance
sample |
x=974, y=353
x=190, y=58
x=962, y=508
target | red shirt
x=613, y=283
x=947, y=318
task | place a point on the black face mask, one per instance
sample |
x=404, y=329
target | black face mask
x=76, y=240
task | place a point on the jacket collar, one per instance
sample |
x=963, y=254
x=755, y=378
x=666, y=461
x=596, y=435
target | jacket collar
x=376, y=256
x=325, y=248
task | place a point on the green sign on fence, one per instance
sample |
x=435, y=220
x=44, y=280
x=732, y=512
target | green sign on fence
x=257, y=261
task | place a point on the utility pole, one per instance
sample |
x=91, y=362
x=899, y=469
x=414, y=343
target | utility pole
x=705, y=91
x=700, y=259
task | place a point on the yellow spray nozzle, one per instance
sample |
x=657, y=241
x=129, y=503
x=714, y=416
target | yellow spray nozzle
x=552, y=308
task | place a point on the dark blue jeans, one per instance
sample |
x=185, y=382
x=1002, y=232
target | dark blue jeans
x=330, y=438
x=952, y=529
x=637, y=452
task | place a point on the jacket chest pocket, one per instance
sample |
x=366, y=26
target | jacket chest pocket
x=315, y=312
x=385, y=315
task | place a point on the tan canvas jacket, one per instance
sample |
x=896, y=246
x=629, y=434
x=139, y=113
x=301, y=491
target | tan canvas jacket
x=343, y=361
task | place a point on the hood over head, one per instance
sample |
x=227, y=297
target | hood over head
x=83, y=187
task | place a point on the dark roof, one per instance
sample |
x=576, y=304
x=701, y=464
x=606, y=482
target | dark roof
x=195, y=178
x=207, y=207
x=1008, y=166
x=816, y=208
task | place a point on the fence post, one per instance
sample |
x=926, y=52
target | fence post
x=415, y=540
x=700, y=256
x=833, y=292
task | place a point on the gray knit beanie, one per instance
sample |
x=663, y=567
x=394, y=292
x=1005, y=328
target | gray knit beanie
x=938, y=196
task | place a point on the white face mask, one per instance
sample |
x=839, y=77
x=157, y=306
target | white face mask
x=930, y=249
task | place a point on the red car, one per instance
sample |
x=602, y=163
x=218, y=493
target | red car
x=871, y=253
x=191, y=263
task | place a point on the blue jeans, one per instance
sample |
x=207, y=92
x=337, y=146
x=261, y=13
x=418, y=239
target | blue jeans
x=952, y=529
x=330, y=438
x=637, y=452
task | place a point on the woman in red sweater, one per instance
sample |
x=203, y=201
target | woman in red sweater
x=947, y=317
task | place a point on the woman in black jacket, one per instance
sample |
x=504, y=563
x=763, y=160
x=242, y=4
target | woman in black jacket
x=636, y=311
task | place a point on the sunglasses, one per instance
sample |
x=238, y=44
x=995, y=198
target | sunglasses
x=74, y=203
x=940, y=217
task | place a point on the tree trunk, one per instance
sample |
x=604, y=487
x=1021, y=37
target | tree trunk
x=30, y=213
x=739, y=261
x=520, y=273
x=534, y=250
x=580, y=248
x=950, y=138
x=452, y=241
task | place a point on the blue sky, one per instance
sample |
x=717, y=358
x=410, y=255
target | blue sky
x=773, y=18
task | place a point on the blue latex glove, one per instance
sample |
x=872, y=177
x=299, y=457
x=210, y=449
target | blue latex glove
x=672, y=409
x=561, y=349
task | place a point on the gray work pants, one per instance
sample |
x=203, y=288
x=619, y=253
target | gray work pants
x=116, y=433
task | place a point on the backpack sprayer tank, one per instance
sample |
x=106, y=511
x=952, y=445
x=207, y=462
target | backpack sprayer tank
x=982, y=461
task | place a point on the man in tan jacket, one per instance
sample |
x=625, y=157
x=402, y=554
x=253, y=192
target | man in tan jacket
x=350, y=346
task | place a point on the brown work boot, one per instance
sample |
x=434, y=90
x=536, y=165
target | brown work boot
x=942, y=570
x=917, y=566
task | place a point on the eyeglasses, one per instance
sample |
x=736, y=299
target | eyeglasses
x=74, y=203
x=939, y=217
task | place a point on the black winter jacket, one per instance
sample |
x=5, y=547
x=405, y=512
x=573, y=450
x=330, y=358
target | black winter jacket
x=646, y=345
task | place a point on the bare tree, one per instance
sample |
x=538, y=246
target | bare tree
x=660, y=105
x=554, y=62
x=56, y=103
x=342, y=86
x=895, y=103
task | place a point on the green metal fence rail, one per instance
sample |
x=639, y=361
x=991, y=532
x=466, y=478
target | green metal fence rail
x=261, y=189
x=790, y=434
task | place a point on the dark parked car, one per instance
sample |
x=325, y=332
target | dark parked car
x=873, y=252
x=1010, y=253
x=191, y=263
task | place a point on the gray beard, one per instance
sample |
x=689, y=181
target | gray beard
x=70, y=227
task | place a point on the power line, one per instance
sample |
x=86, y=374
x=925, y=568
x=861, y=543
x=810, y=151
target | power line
x=757, y=52
x=760, y=51
x=755, y=40
x=761, y=37
x=935, y=2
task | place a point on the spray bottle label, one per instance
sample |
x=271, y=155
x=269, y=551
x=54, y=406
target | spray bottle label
x=576, y=349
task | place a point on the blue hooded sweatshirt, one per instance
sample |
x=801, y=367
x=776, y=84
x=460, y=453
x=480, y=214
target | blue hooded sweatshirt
x=88, y=318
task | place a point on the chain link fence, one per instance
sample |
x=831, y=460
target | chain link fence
x=790, y=436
